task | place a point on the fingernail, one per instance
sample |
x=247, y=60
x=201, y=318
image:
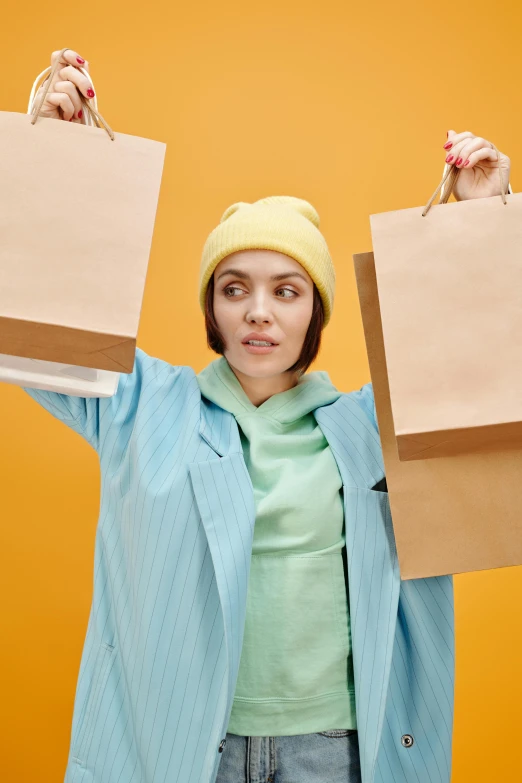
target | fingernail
x=448, y=145
x=80, y=114
x=458, y=161
x=449, y=158
x=80, y=60
x=90, y=93
x=466, y=163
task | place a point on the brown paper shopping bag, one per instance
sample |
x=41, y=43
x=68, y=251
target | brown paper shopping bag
x=450, y=288
x=77, y=211
x=452, y=514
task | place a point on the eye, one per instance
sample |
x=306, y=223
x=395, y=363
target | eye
x=236, y=288
x=230, y=288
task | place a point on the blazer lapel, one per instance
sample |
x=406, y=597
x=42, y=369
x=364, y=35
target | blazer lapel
x=225, y=498
x=373, y=570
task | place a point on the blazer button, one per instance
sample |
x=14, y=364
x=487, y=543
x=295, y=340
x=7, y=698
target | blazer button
x=222, y=745
x=407, y=740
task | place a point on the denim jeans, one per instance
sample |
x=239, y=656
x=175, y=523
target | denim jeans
x=323, y=757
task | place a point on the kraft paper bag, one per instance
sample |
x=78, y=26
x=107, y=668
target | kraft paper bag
x=453, y=514
x=450, y=287
x=54, y=376
x=77, y=212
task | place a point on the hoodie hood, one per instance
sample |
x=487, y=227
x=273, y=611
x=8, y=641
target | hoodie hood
x=218, y=383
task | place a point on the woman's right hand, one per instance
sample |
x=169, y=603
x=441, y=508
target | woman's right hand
x=62, y=101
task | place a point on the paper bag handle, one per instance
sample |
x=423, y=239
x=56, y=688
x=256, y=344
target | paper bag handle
x=93, y=116
x=450, y=175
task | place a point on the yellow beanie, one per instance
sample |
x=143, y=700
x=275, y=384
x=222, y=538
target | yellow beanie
x=284, y=223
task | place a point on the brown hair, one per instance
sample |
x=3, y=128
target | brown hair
x=312, y=340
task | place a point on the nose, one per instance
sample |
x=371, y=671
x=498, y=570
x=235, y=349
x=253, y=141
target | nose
x=258, y=319
x=259, y=311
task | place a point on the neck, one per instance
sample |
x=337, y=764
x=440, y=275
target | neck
x=258, y=390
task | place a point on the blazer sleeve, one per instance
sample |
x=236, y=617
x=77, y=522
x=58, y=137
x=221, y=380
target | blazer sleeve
x=91, y=417
x=364, y=397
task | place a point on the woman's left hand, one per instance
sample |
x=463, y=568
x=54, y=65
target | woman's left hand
x=477, y=160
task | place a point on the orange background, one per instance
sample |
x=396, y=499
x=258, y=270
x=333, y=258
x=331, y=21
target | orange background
x=345, y=104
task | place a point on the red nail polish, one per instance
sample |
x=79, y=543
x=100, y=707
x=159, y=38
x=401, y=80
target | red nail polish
x=90, y=93
x=79, y=60
x=448, y=145
x=80, y=114
x=449, y=158
x=458, y=161
x=466, y=163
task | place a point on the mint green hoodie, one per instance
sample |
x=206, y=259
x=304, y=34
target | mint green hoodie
x=296, y=672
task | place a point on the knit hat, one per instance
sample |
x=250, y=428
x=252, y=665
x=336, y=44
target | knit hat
x=284, y=223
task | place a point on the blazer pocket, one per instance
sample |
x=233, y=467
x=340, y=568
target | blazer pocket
x=100, y=674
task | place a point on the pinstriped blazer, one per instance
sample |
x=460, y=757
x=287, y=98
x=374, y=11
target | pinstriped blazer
x=172, y=558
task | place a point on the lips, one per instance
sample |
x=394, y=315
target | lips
x=263, y=337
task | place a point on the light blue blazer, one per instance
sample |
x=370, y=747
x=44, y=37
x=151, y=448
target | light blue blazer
x=172, y=559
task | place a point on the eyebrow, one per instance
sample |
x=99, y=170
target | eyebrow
x=245, y=276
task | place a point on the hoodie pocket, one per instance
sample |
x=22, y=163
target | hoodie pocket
x=340, y=603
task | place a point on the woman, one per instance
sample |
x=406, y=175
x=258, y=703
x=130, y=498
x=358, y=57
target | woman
x=248, y=619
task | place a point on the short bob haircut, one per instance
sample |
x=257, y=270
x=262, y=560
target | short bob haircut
x=311, y=344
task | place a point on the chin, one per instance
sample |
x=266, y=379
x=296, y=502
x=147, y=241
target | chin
x=259, y=366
